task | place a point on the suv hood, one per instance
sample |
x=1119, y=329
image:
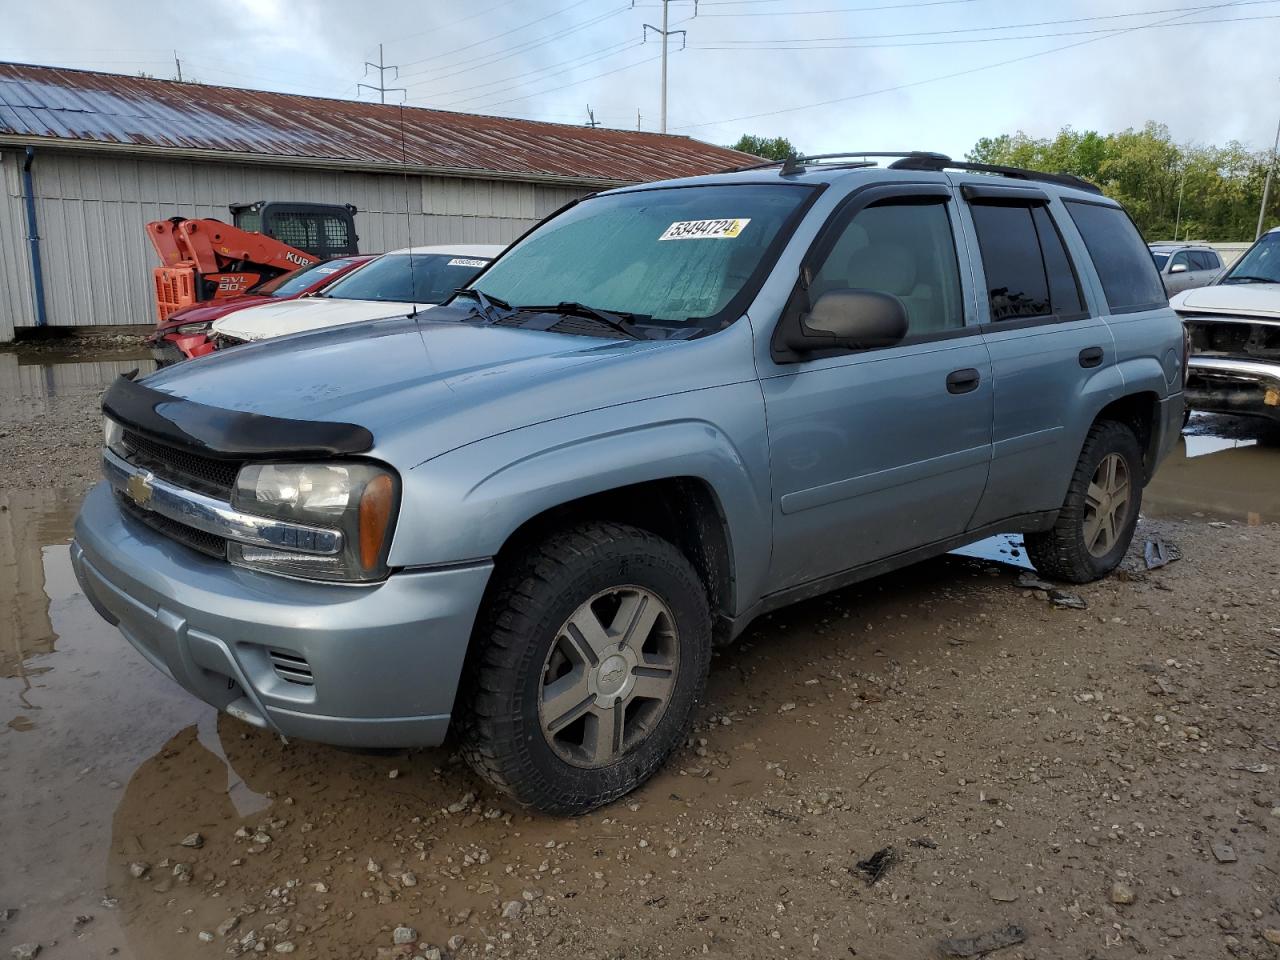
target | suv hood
x=307, y=313
x=1231, y=299
x=423, y=388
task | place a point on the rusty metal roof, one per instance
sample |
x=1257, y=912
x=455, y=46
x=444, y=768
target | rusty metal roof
x=97, y=109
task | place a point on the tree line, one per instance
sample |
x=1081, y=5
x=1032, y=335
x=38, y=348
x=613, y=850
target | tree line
x=1219, y=188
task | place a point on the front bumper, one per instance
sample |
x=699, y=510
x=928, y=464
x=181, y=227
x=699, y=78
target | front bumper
x=1231, y=385
x=366, y=666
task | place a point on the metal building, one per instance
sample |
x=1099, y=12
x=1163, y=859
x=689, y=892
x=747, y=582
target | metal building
x=86, y=159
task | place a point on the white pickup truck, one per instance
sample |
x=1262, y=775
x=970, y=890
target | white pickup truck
x=1234, y=330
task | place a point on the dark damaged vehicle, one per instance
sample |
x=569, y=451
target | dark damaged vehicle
x=1234, y=329
x=527, y=514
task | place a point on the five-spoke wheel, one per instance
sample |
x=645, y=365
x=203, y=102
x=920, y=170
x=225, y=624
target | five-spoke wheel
x=609, y=675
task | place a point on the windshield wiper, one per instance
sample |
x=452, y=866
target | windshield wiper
x=1247, y=278
x=487, y=306
x=622, y=322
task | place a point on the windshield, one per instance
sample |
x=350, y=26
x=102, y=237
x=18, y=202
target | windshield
x=405, y=278
x=1161, y=259
x=676, y=255
x=1260, y=264
x=292, y=284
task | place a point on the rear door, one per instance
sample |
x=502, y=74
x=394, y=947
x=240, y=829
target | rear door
x=1045, y=344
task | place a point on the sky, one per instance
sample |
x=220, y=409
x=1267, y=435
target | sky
x=830, y=75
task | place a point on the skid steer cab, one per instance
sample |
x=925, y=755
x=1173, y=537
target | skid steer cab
x=203, y=260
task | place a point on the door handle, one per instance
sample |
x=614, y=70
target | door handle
x=1091, y=357
x=963, y=381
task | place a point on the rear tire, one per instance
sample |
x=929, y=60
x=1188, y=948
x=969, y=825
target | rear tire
x=1095, y=526
x=590, y=656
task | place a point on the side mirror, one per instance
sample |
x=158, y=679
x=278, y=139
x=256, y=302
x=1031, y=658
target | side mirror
x=851, y=319
x=1178, y=268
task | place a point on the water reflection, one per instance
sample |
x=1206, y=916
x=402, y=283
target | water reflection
x=36, y=376
x=1224, y=468
x=80, y=711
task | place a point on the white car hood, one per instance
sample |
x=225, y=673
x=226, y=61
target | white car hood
x=1226, y=299
x=308, y=313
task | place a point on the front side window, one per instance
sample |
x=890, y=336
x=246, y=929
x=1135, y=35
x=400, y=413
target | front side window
x=1129, y=278
x=1029, y=274
x=667, y=256
x=1182, y=259
x=1260, y=263
x=408, y=278
x=904, y=249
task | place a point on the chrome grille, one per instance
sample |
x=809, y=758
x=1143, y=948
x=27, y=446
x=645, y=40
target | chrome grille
x=206, y=543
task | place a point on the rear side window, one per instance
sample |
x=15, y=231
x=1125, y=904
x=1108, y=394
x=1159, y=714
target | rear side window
x=1124, y=265
x=1204, y=260
x=1029, y=274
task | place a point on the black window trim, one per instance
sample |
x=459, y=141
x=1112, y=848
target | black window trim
x=868, y=195
x=1114, y=205
x=990, y=196
x=1000, y=194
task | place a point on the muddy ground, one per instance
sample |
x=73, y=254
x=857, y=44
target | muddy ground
x=1107, y=780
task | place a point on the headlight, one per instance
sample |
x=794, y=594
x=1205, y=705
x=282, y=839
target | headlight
x=201, y=327
x=112, y=435
x=359, y=499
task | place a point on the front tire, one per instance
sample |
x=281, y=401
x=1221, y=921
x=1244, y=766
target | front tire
x=1096, y=524
x=593, y=650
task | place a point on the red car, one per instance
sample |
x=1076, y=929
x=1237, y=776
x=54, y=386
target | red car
x=186, y=333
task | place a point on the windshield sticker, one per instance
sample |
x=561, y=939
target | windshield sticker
x=705, y=229
x=466, y=262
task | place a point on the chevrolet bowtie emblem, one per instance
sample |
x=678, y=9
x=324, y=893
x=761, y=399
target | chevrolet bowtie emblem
x=139, y=487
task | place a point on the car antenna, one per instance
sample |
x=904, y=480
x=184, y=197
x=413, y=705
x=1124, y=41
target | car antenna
x=408, y=217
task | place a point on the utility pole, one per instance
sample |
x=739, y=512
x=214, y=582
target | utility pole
x=637, y=119
x=666, y=32
x=177, y=63
x=1181, y=190
x=1266, y=189
x=382, y=69
x=592, y=122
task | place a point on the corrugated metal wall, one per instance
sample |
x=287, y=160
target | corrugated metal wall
x=16, y=306
x=98, y=261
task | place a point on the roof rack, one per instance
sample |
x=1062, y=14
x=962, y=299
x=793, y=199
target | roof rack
x=923, y=160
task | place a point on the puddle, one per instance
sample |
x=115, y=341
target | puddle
x=80, y=713
x=1005, y=548
x=1224, y=468
x=39, y=376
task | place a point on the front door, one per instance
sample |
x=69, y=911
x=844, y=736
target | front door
x=878, y=451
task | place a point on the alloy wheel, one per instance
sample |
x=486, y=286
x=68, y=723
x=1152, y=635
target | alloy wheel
x=1107, y=504
x=608, y=676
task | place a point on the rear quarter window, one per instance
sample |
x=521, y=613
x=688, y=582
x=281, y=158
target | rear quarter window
x=1123, y=261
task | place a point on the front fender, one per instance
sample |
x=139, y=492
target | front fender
x=465, y=504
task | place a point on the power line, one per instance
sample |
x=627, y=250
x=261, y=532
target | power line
x=508, y=52
x=570, y=65
x=607, y=73
x=445, y=28
x=938, y=43
x=801, y=13
x=1010, y=26
x=938, y=79
x=499, y=36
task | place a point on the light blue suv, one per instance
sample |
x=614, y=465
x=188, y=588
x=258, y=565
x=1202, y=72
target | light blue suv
x=528, y=515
